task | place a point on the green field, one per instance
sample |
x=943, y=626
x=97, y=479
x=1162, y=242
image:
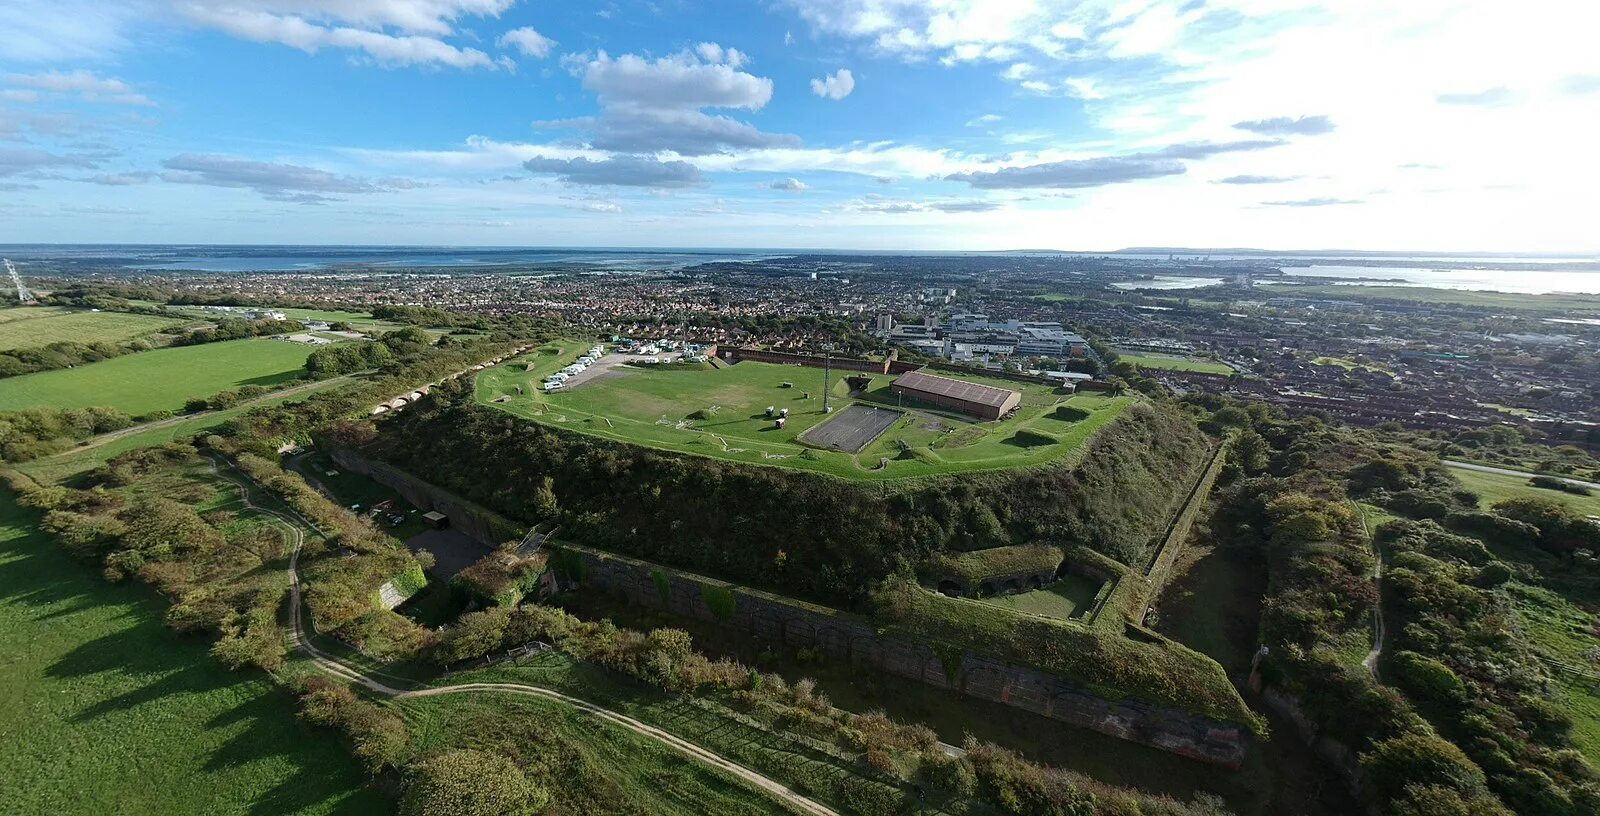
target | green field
x=107, y=711
x=1173, y=362
x=1067, y=598
x=33, y=327
x=1453, y=297
x=1493, y=487
x=721, y=412
x=158, y=380
x=69, y=463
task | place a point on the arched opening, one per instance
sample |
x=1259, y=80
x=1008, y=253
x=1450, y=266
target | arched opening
x=950, y=587
x=1013, y=585
x=1036, y=582
x=986, y=588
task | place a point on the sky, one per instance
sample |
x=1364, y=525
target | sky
x=1427, y=125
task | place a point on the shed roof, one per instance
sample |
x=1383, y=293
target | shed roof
x=955, y=389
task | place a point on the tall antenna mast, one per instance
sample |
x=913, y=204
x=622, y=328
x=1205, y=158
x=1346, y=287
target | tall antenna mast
x=24, y=297
x=827, y=376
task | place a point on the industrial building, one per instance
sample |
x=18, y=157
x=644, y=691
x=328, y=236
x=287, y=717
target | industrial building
x=982, y=401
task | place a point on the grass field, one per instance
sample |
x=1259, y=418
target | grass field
x=1455, y=297
x=1066, y=598
x=65, y=465
x=721, y=412
x=158, y=380
x=32, y=327
x=1493, y=487
x=1174, y=362
x=107, y=711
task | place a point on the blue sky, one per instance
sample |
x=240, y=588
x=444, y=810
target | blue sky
x=916, y=124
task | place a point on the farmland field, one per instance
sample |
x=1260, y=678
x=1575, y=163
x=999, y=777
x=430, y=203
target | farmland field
x=32, y=327
x=107, y=711
x=158, y=380
x=1173, y=362
x=721, y=412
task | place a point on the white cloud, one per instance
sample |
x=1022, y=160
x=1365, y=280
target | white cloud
x=837, y=85
x=791, y=184
x=279, y=182
x=985, y=119
x=16, y=95
x=653, y=105
x=357, y=25
x=531, y=43
x=84, y=84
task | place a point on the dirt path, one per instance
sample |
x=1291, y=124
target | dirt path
x=1378, y=632
x=329, y=664
x=112, y=436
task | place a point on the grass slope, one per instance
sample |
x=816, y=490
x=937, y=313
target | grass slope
x=589, y=767
x=1494, y=487
x=652, y=407
x=158, y=380
x=107, y=711
x=29, y=327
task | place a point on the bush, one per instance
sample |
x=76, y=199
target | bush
x=868, y=798
x=1429, y=679
x=465, y=782
x=1419, y=759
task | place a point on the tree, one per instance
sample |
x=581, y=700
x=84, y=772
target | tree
x=1419, y=759
x=1252, y=452
x=465, y=782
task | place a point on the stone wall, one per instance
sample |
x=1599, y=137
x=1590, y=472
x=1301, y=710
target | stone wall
x=844, y=637
x=470, y=518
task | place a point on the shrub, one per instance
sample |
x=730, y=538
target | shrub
x=1419, y=759
x=465, y=782
x=868, y=798
x=1429, y=679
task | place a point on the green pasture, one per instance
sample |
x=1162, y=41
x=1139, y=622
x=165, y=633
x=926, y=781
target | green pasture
x=162, y=379
x=33, y=327
x=1425, y=295
x=721, y=412
x=108, y=711
x=1173, y=362
x=1493, y=488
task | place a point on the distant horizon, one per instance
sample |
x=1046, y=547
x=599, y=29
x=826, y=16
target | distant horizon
x=1128, y=250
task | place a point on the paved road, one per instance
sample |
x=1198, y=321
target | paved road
x=1523, y=473
x=329, y=664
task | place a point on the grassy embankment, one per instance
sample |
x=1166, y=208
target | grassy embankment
x=107, y=711
x=34, y=327
x=158, y=380
x=721, y=412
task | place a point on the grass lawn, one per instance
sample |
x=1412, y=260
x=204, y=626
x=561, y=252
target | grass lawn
x=721, y=412
x=107, y=711
x=29, y=327
x=1066, y=598
x=588, y=766
x=158, y=380
x=1173, y=362
x=1494, y=487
